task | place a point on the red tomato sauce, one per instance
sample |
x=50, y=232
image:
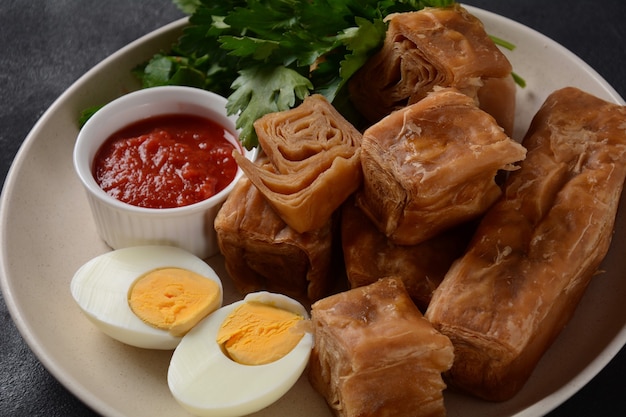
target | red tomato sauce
x=166, y=161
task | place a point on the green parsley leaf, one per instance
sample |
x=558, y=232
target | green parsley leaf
x=360, y=41
x=257, y=49
x=187, y=6
x=268, y=55
x=261, y=90
x=87, y=113
x=171, y=70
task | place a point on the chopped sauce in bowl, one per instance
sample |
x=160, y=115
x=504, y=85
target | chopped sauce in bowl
x=166, y=161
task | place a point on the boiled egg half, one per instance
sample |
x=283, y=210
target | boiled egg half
x=243, y=357
x=147, y=296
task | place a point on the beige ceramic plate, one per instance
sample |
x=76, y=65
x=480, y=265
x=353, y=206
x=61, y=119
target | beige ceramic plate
x=47, y=233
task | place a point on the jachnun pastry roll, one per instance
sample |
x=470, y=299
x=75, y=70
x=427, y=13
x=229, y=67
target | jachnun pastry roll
x=435, y=47
x=369, y=255
x=432, y=165
x=315, y=162
x=537, y=248
x=262, y=252
x=376, y=355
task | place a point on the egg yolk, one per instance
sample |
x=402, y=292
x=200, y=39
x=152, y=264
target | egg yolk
x=173, y=299
x=257, y=333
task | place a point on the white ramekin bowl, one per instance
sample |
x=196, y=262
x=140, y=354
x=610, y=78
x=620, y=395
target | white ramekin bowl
x=122, y=225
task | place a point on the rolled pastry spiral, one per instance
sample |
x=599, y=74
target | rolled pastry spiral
x=435, y=47
x=315, y=162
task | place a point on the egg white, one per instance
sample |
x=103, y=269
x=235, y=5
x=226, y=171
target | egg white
x=206, y=382
x=100, y=288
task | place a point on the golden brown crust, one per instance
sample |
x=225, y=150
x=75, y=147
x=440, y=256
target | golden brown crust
x=432, y=165
x=375, y=354
x=315, y=162
x=433, y=47
x=263, y=253
x=497, y=97
x=537, y=248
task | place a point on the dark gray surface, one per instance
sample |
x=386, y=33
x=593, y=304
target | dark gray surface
x=47, y=45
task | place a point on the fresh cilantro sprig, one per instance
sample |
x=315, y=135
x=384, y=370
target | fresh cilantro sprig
x=268, y=55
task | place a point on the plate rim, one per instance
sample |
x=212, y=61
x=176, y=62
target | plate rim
x=554, y=44
x=546, y=404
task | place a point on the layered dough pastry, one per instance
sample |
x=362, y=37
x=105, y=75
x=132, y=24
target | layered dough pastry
x=369, y=255
x=315, y=162
x=262, y=252
x=432, y=165
x=535, y=251
x=435, y=47
x=376, y=355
